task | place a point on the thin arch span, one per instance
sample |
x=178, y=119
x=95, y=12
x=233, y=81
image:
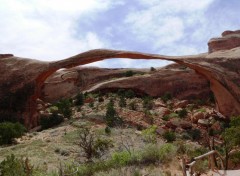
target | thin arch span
x=227, y=107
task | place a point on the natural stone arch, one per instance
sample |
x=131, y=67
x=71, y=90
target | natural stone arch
x=226, y=91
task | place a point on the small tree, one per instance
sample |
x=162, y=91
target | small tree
x=231, y=138
x=111, y=117
x=170, y=136
x=64, y=107
x=79, y=99
x=92, y=146
x=152, y=69
x=167, y=96
x=148, y=103
x=122, y=102
x=129, y=73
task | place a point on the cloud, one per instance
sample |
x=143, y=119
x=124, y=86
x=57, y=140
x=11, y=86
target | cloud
x=163, y=23
x=57, y=29
x=46, y=29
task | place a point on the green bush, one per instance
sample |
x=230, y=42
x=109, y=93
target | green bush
x=167, y=96
x=50, y=121
x=183, y=113
x=170, y=136
x=150, y=135
x=79, y=99
x=148, y=103
x=12, y=166
x=112, y=119
x=129, y=73
x=129, y=94
x=132, y=105
x=195, y=134
x=170, y=116
x=9, y=130
x=121, y=158
x=154, y=153
x=122, y=102
x=152, y=69
x=64, y=107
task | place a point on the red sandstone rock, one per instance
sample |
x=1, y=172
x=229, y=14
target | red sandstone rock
x=229, y=40
x=196, y=116
x=22, y=79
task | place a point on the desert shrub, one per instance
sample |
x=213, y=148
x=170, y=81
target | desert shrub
x=183, y=113
x=92, y=146
x=235, y=158
x=170, y=116
x=201, y=167
x=129, y=73
x=64, y=107
x=195, y=134
x=122, y=102
x=149, y=135
x=91, y=105
x=51, y=120
x=148, y=103
x=170, y=136
x=108, y=130
x=154, y=153
x=9, y=130
x=79, y=99
x=100, y=99
x=129, y=94
x=132, y=105
x=121, y=158
x=112, y=119
x=152, y=69
x=167, y=96
x=12, y=166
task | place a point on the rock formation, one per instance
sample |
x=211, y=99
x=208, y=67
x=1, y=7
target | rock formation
x=22, y=79
x=229, y=40
x=181, y=82
x=69, y=82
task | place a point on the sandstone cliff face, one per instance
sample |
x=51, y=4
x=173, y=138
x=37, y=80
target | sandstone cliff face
x=229, y=40
x=220, y=67
x=69, y=82
x=181, y=82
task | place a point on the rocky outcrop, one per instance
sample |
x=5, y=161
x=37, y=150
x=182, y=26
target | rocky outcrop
x=229, y=40
x=69, y=82
x=22, y=79
x=180, y=83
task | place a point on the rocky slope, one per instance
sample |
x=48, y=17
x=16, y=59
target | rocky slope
x=23, y=79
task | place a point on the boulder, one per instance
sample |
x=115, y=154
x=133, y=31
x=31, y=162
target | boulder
x=203, y=122
x=181, y=104
x=196, y=116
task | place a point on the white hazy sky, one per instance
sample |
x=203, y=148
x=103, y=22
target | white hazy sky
x=56, y=29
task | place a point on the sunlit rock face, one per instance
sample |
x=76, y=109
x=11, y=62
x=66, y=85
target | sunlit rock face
x=22, y=79
x=229, y=40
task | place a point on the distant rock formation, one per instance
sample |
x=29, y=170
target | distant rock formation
x=22, y=80
x=229, y=40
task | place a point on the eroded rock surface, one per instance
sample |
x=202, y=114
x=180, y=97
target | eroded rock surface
x=229, y=40
x=22, y=79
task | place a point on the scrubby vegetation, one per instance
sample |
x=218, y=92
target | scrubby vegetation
x=121, y=130
x=9, y=130
x=48, y=121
